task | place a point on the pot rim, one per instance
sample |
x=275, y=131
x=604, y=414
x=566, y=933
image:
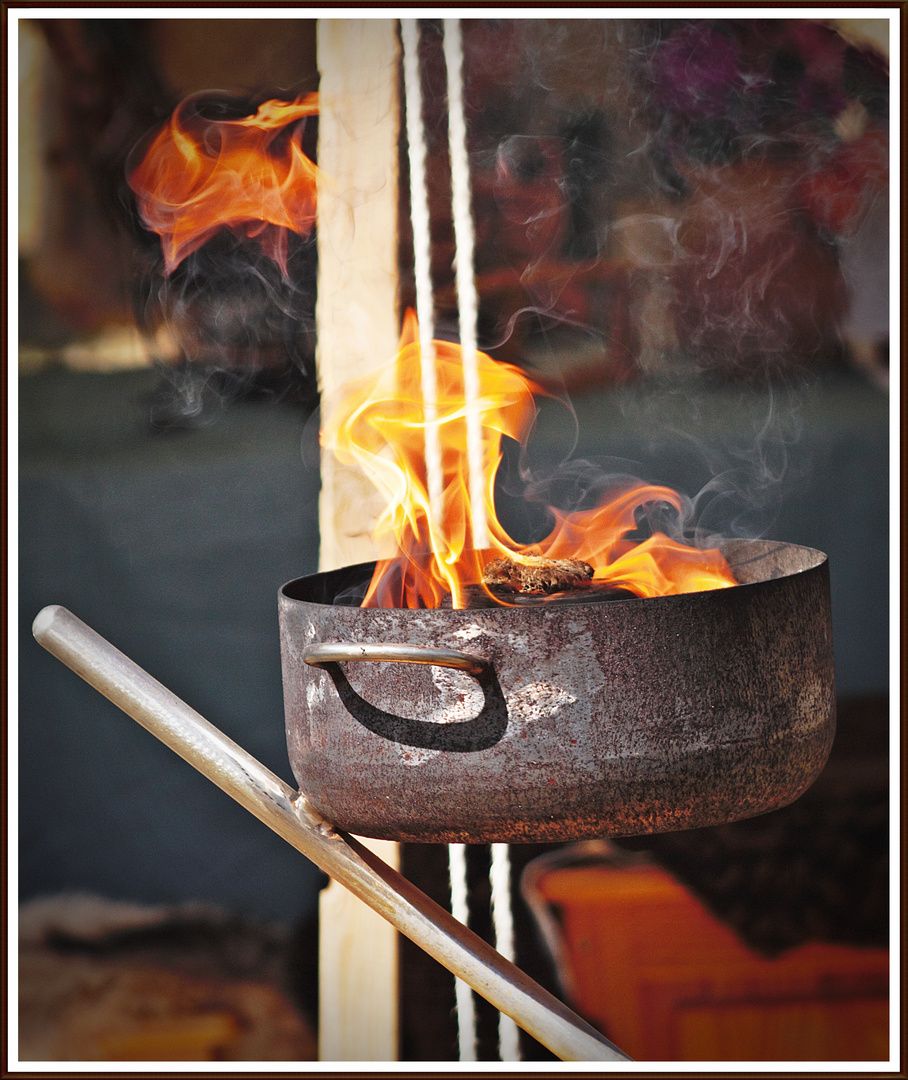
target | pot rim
x=812, y=558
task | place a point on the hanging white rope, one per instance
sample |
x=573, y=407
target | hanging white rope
x=463, y=995
x=422, y=255
x=425, y=314
x=468, y=305
x=467, y=301
x=503, y=924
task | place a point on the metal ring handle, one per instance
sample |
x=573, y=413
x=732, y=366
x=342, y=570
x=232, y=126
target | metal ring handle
x=342, y=652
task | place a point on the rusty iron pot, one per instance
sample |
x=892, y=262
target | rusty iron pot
x=552, y=723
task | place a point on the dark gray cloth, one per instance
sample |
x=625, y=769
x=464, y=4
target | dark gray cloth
x=173, y=546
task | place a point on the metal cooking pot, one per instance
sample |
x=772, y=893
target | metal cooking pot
x=551, y=723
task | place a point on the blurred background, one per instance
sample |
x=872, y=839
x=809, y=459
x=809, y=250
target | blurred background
x=683, y=227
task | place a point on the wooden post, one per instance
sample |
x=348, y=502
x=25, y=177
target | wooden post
x=357, y=320
x=357, y=310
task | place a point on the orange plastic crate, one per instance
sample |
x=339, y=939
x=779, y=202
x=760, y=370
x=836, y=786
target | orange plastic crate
x=666, y=981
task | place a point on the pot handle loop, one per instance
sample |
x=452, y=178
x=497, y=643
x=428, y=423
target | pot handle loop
x=343, y=652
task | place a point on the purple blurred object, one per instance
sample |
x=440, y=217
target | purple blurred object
x=696, y=71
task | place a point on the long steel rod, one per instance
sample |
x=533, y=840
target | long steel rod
x=289, y=814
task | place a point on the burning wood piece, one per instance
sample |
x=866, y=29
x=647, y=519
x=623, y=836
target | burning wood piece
x=534, y=574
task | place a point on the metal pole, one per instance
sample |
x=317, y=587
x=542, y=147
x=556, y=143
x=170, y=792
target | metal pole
x=289, y=814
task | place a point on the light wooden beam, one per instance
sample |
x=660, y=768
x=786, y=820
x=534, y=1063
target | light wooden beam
x=357, y=309
x=357, y=322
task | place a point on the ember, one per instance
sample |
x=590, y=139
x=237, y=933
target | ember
x=537, y=575
x=380, y=425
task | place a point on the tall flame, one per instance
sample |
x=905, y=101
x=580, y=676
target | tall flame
x=199, y=175
x=378, y=425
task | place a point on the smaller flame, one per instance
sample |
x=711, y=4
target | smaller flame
x=199, y=175
x=379, y=424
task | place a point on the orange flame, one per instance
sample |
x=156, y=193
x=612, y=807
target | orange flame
x=378, y=425
x=200, y=175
